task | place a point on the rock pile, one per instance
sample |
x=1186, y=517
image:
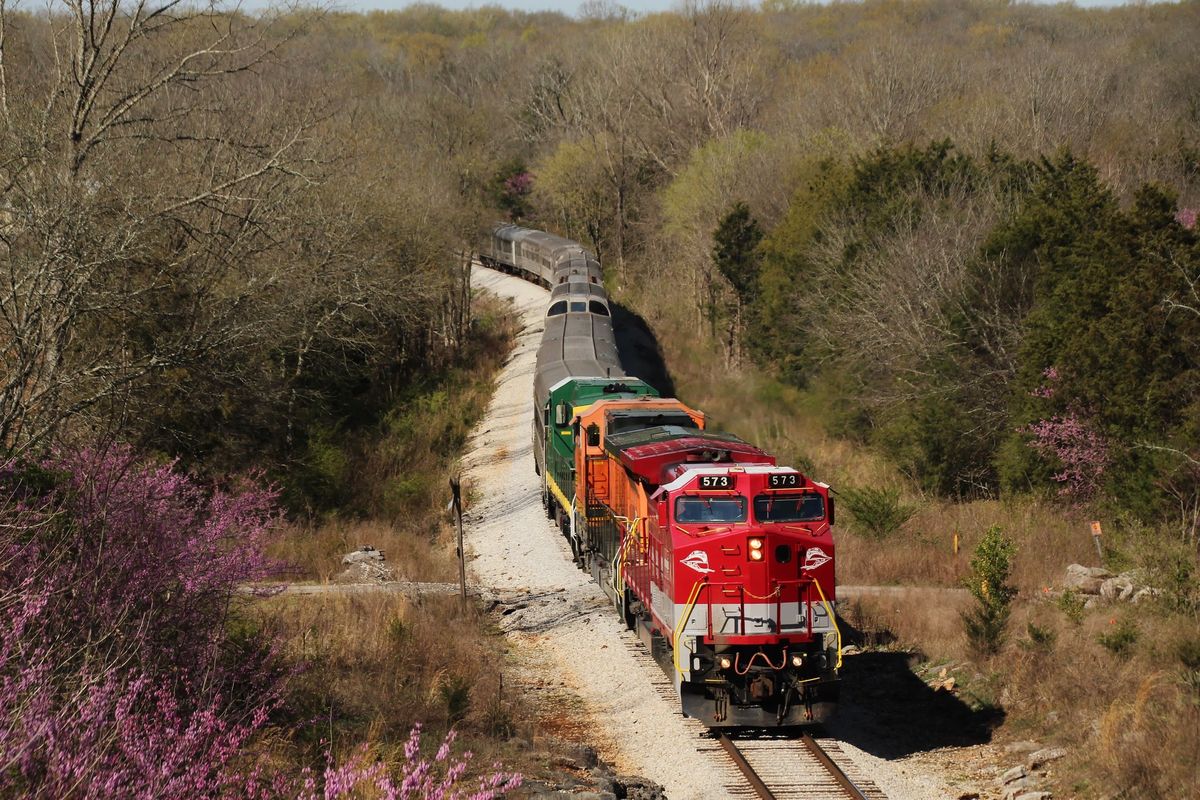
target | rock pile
x=1100, y=584
x=1022, y=781
x=579, y=774
x=365, y=565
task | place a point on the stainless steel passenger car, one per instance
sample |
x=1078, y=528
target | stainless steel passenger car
x=578, y=341
x=538, y=255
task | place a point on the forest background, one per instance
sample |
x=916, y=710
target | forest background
x=943, y=254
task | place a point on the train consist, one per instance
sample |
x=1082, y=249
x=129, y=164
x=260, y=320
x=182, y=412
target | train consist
x=719, y=558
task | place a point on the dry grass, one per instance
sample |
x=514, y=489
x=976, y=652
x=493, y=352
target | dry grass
x=922, y=552
x=1131, y=720
x=378, y=662
x=1128, y=716
x=374, y=664
x=315, y=550
x=928, y=617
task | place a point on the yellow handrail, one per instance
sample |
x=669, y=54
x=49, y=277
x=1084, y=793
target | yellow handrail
x=619, y=559
x=687, y=613
x=832, y=621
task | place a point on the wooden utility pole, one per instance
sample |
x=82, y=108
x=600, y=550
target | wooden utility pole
x=456, y=489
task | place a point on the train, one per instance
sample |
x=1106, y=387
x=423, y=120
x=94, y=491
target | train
x=720, y=559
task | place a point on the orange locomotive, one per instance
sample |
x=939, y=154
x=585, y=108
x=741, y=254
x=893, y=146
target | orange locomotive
x=719, y=559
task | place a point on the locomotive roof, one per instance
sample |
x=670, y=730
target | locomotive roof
x=681, y=476
x=649, y=452
x=648, y=413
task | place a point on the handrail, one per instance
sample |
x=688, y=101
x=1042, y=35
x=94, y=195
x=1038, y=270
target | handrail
x=618, y=562
x=679, y=628
x=832, y=621
x=777, y=594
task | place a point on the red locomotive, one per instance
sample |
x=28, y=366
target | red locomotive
x=722, y=562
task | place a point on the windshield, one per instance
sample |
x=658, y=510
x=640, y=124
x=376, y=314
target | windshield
x=789, y=507
x=643, y=421
x=558, y=308
x=710, y=509
x=580, y=306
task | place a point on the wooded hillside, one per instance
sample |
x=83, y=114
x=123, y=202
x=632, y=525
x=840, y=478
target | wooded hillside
x=963, y=231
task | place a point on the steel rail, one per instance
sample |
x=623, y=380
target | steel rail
x=740, y=760
x=833, y=769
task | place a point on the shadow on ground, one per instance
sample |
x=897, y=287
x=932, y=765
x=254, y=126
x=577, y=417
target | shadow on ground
x=890, y=712
x=641, y=355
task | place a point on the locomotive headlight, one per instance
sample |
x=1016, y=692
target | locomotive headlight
x=725, y=661
x=797, y=660
x=756, y=548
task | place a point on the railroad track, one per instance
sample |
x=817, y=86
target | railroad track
x=798, y=767
x=770, y=766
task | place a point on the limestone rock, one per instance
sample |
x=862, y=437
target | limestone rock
x=1019, y=787
x=634, y=788
x=1044, y=756
x=1087, y=580
x=365, y=565
x=1117, y=588
x=1086, y=585
x=364, y=554
x=1014, y=774
x=1024, y=746
x=366, y=572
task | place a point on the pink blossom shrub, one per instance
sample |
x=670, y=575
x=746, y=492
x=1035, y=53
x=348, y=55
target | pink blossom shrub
x=1186, y=217
x=438, y=778
x=518, y=185
x=1082, y=451
x=1074, y=442
x=120, y=674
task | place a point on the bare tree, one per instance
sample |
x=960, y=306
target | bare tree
x=896, y=308
x=135, y=190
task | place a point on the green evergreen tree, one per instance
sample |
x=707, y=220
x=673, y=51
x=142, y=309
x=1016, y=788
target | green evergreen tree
x=987, y=622
x=735, y=251
x=737, y=258
x=1122, y=361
